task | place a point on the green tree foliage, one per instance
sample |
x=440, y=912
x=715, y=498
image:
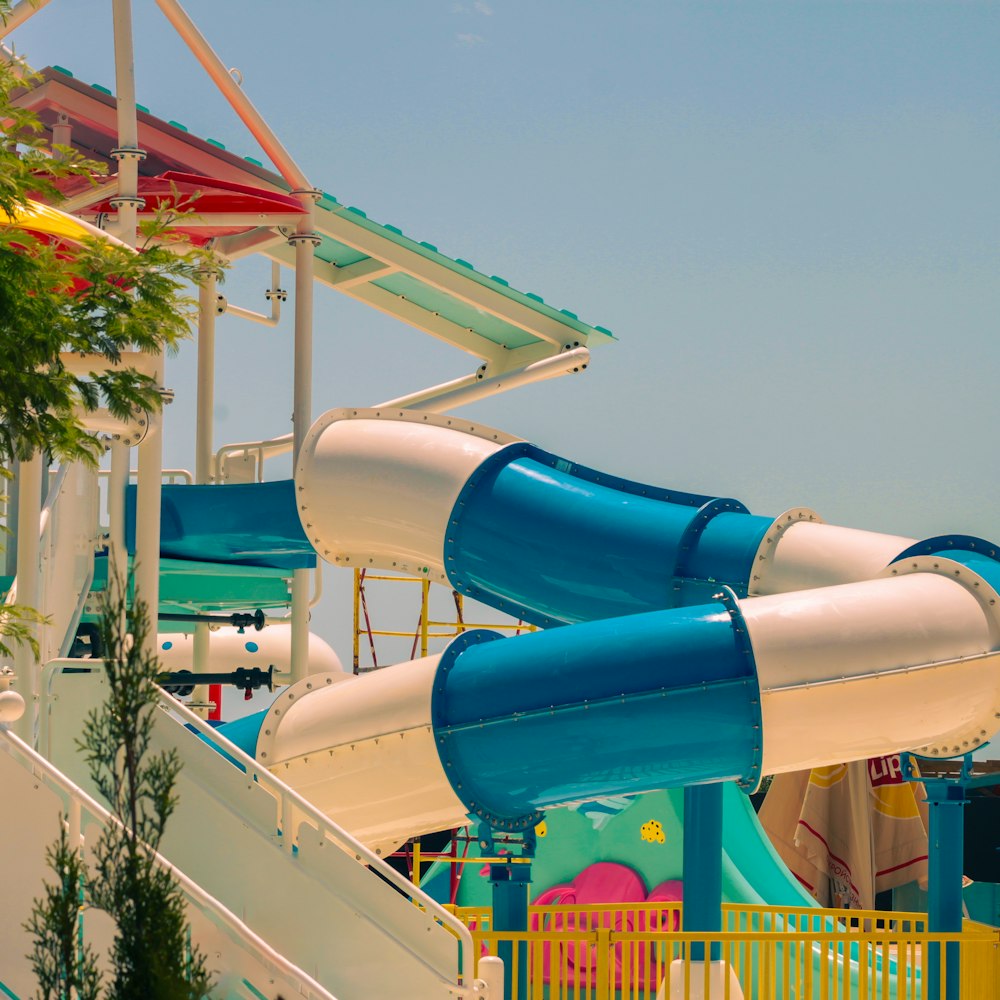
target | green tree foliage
x=63, y=968
x=150, y=957
x=100, y=299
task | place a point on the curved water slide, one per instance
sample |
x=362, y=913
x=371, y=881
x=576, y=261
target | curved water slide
x=707, y=643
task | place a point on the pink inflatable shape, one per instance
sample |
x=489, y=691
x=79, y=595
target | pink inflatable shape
x=603, y=882
x=666, y=892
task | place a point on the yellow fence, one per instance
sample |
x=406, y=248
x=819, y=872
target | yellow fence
x=639, y=952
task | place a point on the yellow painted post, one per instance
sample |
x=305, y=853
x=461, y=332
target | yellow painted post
x=416, y=863
x=357, y=620
x=425, y=615
x=602, y=977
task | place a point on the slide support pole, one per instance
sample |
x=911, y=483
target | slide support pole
x=946, y=801
x=509, y=880
x=703, y=864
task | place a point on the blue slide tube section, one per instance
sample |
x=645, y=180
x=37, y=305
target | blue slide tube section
x=552, y=542
x=671, y=696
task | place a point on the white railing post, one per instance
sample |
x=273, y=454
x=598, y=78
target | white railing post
x=29, y=513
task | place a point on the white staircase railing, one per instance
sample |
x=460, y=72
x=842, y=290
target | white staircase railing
x=294, y=876
x=38, y=797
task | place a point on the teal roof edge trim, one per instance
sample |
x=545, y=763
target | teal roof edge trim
x=595, y=334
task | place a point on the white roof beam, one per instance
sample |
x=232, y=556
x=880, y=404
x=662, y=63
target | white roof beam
x=442, y=278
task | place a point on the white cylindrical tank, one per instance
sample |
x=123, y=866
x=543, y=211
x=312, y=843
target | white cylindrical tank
x=229, y=648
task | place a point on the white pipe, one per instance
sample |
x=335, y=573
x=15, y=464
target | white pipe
x=412, y=400
x=117, y=482
x=274, y=295
x=90, y=196
x=52, y=498
x=103, y=421
x=147, y=532
x=304, y=241
x=209, y=220
x=127, y=154
x=206, y=378
x=466, y=390
x=62, y=134
x=229, y=88
x=274, y=446
x=207, y=294
x=240, y=244
x=300, y=625
x=800, y=552
x=20, y=13
x=29, y=512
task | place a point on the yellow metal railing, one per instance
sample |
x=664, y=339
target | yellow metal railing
x=639, y=952
x=427, y=628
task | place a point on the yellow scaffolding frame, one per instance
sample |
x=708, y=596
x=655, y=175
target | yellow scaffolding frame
x=427, y=628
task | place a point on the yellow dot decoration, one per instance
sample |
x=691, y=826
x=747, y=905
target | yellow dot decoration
x=542, y=829
x=653, y=832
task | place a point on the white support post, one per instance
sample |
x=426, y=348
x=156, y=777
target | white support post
x=204, y=428
x=127, y=202
x=304, y=241
x=29, y=512
x=62, y=133
x=127, y=154
x=117, y=482
x=200, y=662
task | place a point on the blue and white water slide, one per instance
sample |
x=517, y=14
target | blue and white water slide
x=687, y=640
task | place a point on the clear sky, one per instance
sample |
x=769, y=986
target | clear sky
x=787, y=212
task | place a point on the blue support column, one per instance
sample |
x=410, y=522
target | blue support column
x=510, y=913
x=946, y=801
x=703, y=864
x=509, y=880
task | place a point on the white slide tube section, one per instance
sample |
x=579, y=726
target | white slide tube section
x=866, y=669
x=363, y=752
x=800, y=552
x=376, y=486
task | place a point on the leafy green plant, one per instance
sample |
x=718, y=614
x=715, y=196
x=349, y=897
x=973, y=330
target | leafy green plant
x=99, y=301
x=62, y=966
x=151, y=957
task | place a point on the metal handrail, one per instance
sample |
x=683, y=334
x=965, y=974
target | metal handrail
x=288, y=800
x=80, y=804
x=264, y=449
